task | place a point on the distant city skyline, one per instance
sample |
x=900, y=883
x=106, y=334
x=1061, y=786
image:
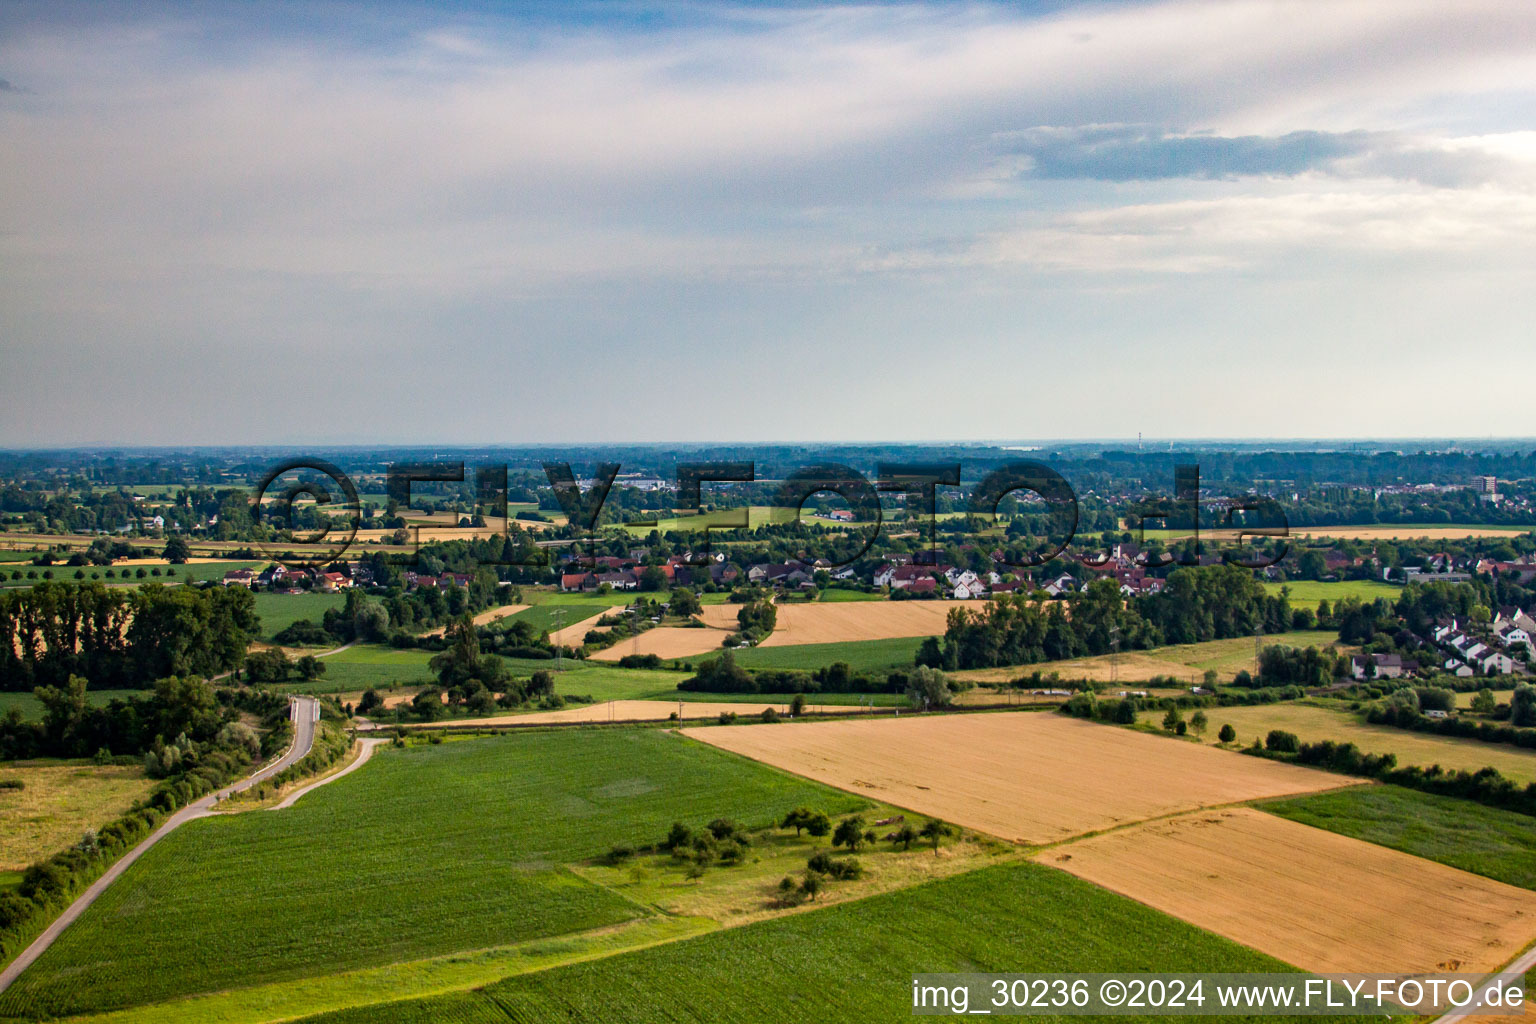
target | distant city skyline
x=414, y=224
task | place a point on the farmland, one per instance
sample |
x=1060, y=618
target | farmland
x=1322, y=901
x=1483, y=840
x=481, y=826
x=1022, y=776
x=840, y=622
x=573, y=608
x=32, y=710
x=1310, y=593
x=860, y=655
x=651, y=711
x=279, y=611
x=1312, y=723
x=365, y=666
x=1182, y=661
x=666, y=642
x=838, y=963
x=61, y=800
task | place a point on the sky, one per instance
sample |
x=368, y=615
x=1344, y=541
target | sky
x=475, y=223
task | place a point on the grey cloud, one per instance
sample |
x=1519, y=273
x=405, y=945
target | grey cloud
x=1144, y=153
x=6, y=86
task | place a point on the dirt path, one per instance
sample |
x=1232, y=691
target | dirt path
x=306, y=712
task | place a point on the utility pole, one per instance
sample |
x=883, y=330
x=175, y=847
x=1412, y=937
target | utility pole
x=1114, y=654
x=559, y=617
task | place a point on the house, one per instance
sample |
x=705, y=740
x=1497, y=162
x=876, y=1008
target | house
x=1380, y=666
x=1497, y=663
x=332, y=581
x=462, y=579
x=1062, y=584
x=584, y=581
x=906, y=576
x=975, y=590
x=239, y=578
x=1457, y=667
x=922, y=586
x=618, y=580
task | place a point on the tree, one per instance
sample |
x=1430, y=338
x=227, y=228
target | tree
x=798, y=818
x=850, y=833
x=934, y=830
x=680, y=836
x=269, y=666
x=684, y=602
x=1227, y=733
x=819, y=825
x=371, y=701
x=1198, y=722
x=927, y=688
x=1125, y=712
x=1282, y=742
x=811, y=885
x=905, y=837
x=310, y=667
x=1484, y=702
x=652, y=578
x=797, y=705
x=428, y=704
x=177, y=550
x=1172, y=720
x=1522, y=706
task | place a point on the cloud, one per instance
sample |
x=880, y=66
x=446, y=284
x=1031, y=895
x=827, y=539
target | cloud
x=6, y=86
x=1123, y=153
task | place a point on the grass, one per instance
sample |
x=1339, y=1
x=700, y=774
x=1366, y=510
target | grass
x=195, y=572
x=573, y=607
x=61, y=800
x=852, y=962
x=430, y=850
x=833, y=595
x=279, y=611
x=861, y=655
x=1312, y=723
x=366, y=666
x=32, y=710
x=1308, y=593
x=1483, y=840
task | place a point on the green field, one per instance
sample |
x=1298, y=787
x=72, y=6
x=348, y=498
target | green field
x=572, y=607
x=861, y=655
x=1483, y=840
x=32, y=711
x=1307, y=593
x=850, y=962
x=430, y=850
x=279, y=611
x=368, y=666
x=195, y=572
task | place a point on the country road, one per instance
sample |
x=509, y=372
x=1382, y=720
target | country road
x=305, y=713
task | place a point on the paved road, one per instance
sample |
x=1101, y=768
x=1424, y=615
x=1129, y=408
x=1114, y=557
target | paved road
x=305, y=713
x=1522, y=963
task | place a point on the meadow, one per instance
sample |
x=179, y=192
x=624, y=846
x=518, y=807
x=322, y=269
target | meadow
x=861, y=655
x=850, y=962
x=1311, y=722
x=32, y=710
x=366, y=666
x=572, y=608
x=279, y=611
x=1309, y=593
x=62, y=799
x=1483, y=840
x=359, y=873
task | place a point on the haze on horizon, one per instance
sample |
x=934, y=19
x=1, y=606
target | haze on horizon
x=265, y=223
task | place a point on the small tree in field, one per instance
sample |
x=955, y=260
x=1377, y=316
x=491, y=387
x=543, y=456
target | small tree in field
x=850, y=833
x=1198, y=723
x=1227, y=734
x=1172, y=719
x=811, y=886
x=797, y=706
x=905, y=837
x=819, y=825
x=934, y=830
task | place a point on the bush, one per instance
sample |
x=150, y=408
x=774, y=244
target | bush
x=618, y=855
x=1282, y=742
x=1227, y=733
x=12, y=784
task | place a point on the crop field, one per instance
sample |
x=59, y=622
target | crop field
x=572, y=608
x=1182, y=661
x=1312, y=723
x=840, y=622
x=61, y=800
x=358, y=873
x=1406, y=531
x=1313, y=898
x=1309, y=593
x=279, y=611
x=649, y=711
x=1483, y=840
x=1031, y=777
x=860, y=655
x=838, y=963
x=666, y=642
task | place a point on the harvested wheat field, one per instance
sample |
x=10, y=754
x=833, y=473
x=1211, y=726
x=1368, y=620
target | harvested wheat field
x=1408, y=531
x=665, y=642
x=1030, y=777
x=841, y=621
x=1321, y=901
x=488, y=616
x=641, y=711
